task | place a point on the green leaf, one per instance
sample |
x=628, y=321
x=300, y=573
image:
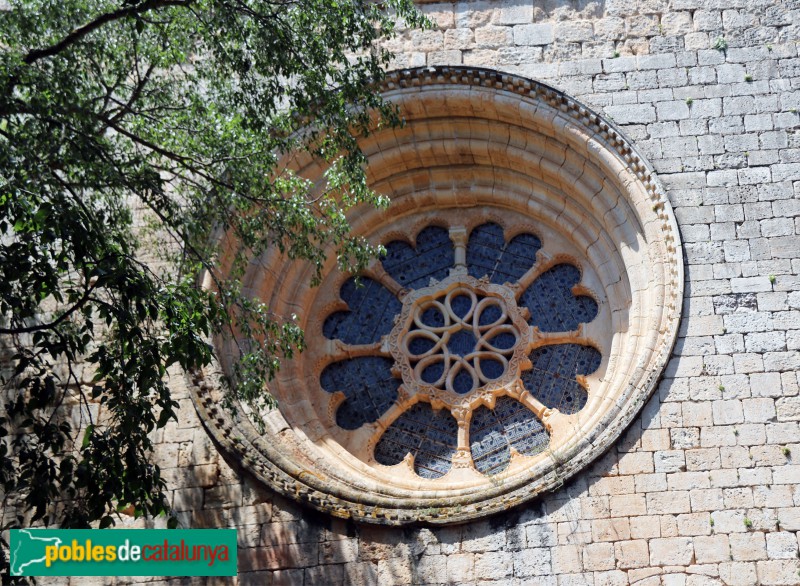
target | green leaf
x=87, y=436
x=106, y=521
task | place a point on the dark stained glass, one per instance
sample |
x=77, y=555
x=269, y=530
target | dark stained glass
x=552, y=379
x=433, y=257
x=428, y=434
x=368, y=384
x=370, y=304
x=493, y=431
x=552, y=304
x=488, y=254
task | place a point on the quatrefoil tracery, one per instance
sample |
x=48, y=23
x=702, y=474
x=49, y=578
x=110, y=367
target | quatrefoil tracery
x=460, y=341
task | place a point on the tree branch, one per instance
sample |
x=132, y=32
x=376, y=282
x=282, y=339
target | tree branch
x=126, y=108
x=49, y=326
x=80, y=32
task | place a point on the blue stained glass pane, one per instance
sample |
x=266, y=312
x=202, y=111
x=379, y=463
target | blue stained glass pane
x=503, y=341
x=462, y=343
x=552, y=379
x=492, y=431
x=370, y=305
x=420, y=345
x=462, y=382
x=552, y=305
x=488, y=254
x=431, y=373
x=433, y=258
x=492, y=368
x=461, y=304
x=368, y=384
x=489, y=315
x=432, y=317
x=429, y=435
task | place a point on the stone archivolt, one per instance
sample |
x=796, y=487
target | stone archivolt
x=454, y=381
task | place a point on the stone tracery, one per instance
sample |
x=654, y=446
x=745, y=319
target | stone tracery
x=460, y=335
x=460, y=341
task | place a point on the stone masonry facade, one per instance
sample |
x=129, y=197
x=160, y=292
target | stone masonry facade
x=704, y=487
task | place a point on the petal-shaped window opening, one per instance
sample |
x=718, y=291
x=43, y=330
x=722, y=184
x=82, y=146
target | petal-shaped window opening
x=462, y=343
x=488, y=254
x=420, y=345
x=493, y=432
x=553, y=306
x=490, y=315
x=503, y=341
x=465, y=379
x=461, y=305
x=492, y=369
x=368, y=384
x=432, y=258
x=365, y=322
x=429, y=435
x=432, y=317
x=552, y=380
x=432, y=373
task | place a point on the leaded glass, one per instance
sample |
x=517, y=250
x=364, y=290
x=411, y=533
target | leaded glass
x=488, y=254
x=553, y=306
x=368, y=384
x=494, y=431
x=552, y=379
x=414, y=267
x=365, y=322
x=427, y=434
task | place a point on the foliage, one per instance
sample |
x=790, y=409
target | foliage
x=184, y=112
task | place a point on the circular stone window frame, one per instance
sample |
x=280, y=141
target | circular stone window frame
x=574, y=180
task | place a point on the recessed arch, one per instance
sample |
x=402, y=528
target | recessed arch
x=479, y=148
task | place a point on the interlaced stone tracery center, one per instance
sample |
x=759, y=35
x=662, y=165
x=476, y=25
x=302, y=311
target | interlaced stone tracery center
x=460, y=341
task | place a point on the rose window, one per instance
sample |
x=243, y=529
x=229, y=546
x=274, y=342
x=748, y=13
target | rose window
x=523, y=314
x=476, y=334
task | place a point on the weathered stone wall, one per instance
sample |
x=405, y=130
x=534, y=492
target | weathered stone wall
x=705, y=486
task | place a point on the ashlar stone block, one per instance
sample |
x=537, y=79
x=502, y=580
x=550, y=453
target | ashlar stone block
x=674, y=551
